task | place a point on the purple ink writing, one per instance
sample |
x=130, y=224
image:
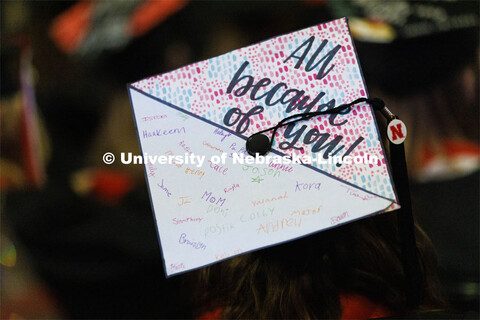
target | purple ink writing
x=221, y=133
x=209, y=198
x=164, y=189
x=195, y=244
x=307, y=186
x=162, y=132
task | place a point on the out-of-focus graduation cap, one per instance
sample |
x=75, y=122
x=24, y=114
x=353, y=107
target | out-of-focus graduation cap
x=90, y=27
x=207, y=212
x=398, y=41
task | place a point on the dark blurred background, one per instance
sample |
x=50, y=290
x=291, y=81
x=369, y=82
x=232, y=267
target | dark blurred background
x=78, y=239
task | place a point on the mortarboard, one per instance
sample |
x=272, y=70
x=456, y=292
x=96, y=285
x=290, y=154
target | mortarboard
x=211, y=199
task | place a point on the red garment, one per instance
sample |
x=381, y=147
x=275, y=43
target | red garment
x=353, y=306
x=215, y=314
x=110, y=186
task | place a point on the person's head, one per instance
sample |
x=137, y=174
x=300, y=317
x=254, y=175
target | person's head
x=304, y=278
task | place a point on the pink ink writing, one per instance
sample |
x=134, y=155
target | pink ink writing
x=180, y=221
x=232, y=188
x=339, y=218
x=150, y=118
x=357, y=194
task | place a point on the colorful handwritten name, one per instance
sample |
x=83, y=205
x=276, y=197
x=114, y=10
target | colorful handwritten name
x=218, y=168
x=280, y=224
x=184, y=200
x=257, y=214
x=150, y=118
x=195, y=244
x=205, y=143
x=306, y=212
x=189, y=219
x=267, y=200
x=209, y=198
x=335, y=220
x=162, y=132
x=232, y=188
x=164, y=189
x=171, y=154
x=307, y=186
x=176, y=267
x=151, y=170
x=355, y=193
x=242, y=149
x=217, y=210
x=195, y=172
x=280, y=167
x=261, y=173
x=222, y=133
x=218, y=229
x=226, y=254
x=184, y=146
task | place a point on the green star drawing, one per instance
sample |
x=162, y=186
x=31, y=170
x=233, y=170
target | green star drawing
x=257, y=179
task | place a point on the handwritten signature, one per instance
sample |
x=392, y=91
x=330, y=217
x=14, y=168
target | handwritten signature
x=355, y=193
x=339, y=218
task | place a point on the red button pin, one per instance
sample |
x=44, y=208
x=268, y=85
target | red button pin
x=396, y=131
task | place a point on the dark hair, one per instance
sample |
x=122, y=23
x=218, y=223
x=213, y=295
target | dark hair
x=304, y=278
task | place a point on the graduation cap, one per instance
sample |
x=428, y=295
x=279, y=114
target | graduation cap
x=198, y=127
x=410, y=46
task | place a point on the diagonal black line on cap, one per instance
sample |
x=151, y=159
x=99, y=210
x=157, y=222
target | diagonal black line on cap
x=168, y=104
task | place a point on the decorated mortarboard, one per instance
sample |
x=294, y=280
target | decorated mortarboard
x=211, y=199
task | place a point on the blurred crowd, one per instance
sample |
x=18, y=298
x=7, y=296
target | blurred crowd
x=78, y=238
